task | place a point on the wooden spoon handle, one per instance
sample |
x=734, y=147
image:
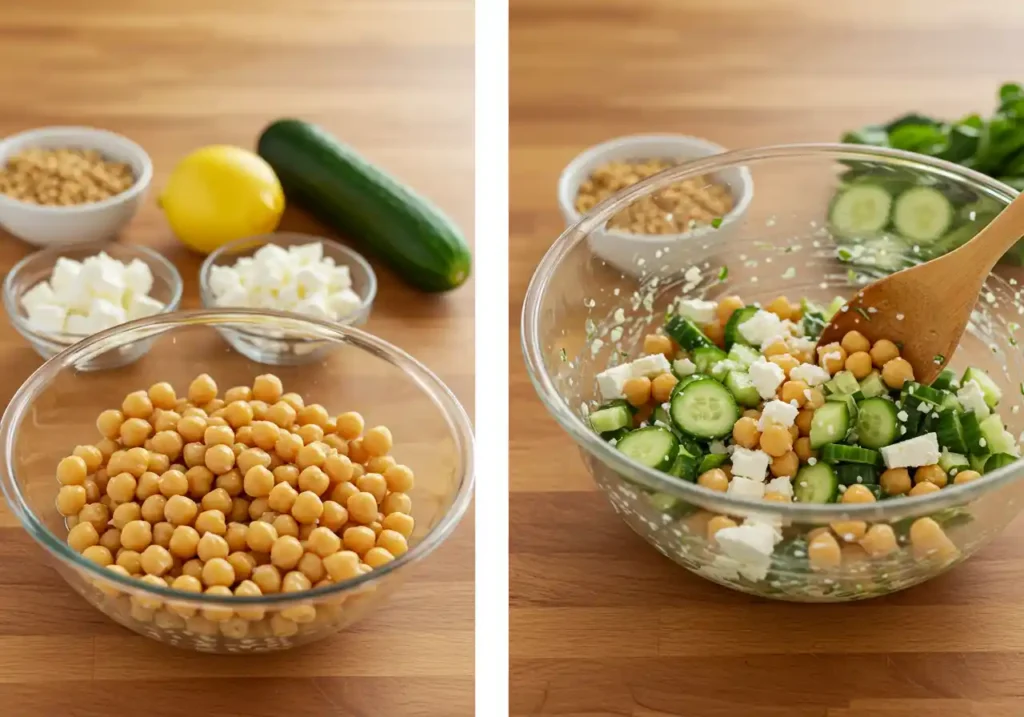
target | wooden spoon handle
x=988, y=245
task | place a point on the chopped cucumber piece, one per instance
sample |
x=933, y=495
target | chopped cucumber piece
x=872, y=385
x=945, y=380
x=706, y=357
x=992, y=431
x=606, y=420
x=856, y=474
x=816, y=484
x=859, y=211
x=843, y=382
x=742, y=389
x=830, y=424
x=664, y=502
x=833, y=307
x=839, y=453
x=877, y=425
x=732, y=326
x=743, y=355
x=950, y=433
x=705, y=409
x=922, y=215
x=921, y=393
x=711, y=461
x=978, y=462
x=950, y=403
x=953, y=462
x=685, y=466
x=850, y=400
x=686, y=333
x=654, y=447
x=998, y=460
x=974, y=441
x=991, y=391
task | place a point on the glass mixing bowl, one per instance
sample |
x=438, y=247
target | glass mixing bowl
x=57, y=407
x=583, y=313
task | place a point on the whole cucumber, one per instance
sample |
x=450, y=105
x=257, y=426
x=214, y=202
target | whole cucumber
x=355, y=198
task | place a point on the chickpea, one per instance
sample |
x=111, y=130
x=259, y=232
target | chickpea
x=308, y=507
x=637, y=390
x=897, y=372
x=162, y=533
x=883, y=352
x=356, y=452
x=314, y=480
x=168, y=443
x=879, y=540
x=267, y=578
x=218, y=435
x=785, y=465
x=121, y=488
x=400, y=523
x=106, y=447
x=399, y=478
x=71, y=499
x=374, y=484
x=803, y=421
x=281, y=414
x=258, y=482
x=350, y=425
x=155, y=560
x=242, y=563
x=200, y=481
x=162, y=396
x=95, y=513
x=850, y=531
x=165, y=421
x=286, y=552
x=923, y=488
x=342, y=565
x=343, y=491
x=109, y=422
x=823, y=552
x=362, y=508
x=260, y=537
x=781, y=307
x=402, y=503
x=714, y=479
x=257, y=508
x=745, y=433
x=803, y=450
x=311, y=455
x=148, y=484
x=72, y=470
x=288, y=446
x=726, y=306
x=265, y=435
x=379, y=464
x=393, y=542
x=83, y=536
x=180, y=510
x=217, y=499
x=239, y=510
x=99, y=555
x=129, y=560
x=776, y=441
x=251, y=458
x=191, y=428
x=135, y=431
x=285, y=524
x=832, y=357
x=359, y=539
x=282, y=497
x=111, y=540
x=338, y=468
x=238, y=414
x=267, y=388
x=859, y=364
x=932, y=474
x=184, y=542
x=857, y=494
x=716, y=332
x=661, y=387
x=203, y=389
x=311, y=567
x=218, y=571
x=193, y=568
x=126, y=513
x=243, y=435
x=337, y=443
x=212, y=546
x=929, y=540
x=219, y=458
x=966, y=477
x=816, y=399
x=211, y=521
x=137, y=405
x=786, y=362
x=794, y=391
x=310, y=433
x=91, y=456
x=92, y=491
x=173, y=482
x=136, y=535
x=376, y=557
x=334, y=516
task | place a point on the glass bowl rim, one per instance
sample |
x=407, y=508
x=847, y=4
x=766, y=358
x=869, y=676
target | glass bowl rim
x=585, y=438
x=426, y=380
x=153, y=258
x=289, y=239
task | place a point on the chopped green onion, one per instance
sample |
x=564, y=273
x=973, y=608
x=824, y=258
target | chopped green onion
x=723, y=273
x=716, y=222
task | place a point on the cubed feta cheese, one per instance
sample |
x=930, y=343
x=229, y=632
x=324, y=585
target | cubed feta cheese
x=103, y=314
x=344, y=303
x=684, y=367
x=338, y=278
x=307, y=254
x=314, y=306
x=698, y=310
x=649, y=366
x=766, y=377
x=138, y=278
x=751, y=545
x=750, y=464
x=810, y=374
x=972, y=398
x=761, y=328
x=783, y=485
x=47, y=318
x=65, y=273
x=742, y=487
x=234, y=298
x=310, y=282
x=78, y=324
x=142, y=306
x=611, y=381
x=919, y=451
x=39, y=294
x=777, y=412
x=272, y=255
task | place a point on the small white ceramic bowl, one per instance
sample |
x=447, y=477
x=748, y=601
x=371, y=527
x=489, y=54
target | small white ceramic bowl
x=636, y=253
x=83, y=223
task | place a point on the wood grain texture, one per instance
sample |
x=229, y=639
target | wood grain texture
x=393, y=78
x=600, y=623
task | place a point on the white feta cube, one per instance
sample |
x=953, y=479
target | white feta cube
x=751, y=545
x=750, y=464
x=307, y=254
x=103, y=314
x=742, y=487
x=972, y=398
x=138, y=278
x=766, y=377
x=78, y=325
x=810, y=374
x=610, y=381
x=778, y=413
x=65, y=273
x=310, y=282
x=684, y=367
x=238, y=298
x=698, y=310
x=39, y=294
x=913, y=453
x=142, y=306
x=762, y=328
x=783, y=485
x=649, y=366
x=314, y=306
x=272, y=255
x=75, y=296
x=344, y=303
x=339, y=278
x=104, y=280
x=47, y=318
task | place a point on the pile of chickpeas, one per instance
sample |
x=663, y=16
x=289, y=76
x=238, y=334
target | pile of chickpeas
x=63, y=177
x=790, y=447
x=251, y=494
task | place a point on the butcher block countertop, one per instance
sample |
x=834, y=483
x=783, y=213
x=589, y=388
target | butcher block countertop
x=603, y=625
x=393, y=78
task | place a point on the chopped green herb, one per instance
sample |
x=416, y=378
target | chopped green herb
x=716, y=222
x=565, y=355
x=844, y=254
x=863, y=312
x=851, y=275
x=939, y=359
x=723, y=273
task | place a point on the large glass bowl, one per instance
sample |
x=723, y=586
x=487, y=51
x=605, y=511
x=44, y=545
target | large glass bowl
x=57, y=407
x=582, y=315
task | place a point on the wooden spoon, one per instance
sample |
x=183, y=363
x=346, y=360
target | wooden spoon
x=926, y=308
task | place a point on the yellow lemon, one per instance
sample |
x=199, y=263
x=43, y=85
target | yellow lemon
x=221, y=193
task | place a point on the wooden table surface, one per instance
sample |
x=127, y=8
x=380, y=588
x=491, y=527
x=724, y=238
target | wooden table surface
x=600, y=623
x=393, y=78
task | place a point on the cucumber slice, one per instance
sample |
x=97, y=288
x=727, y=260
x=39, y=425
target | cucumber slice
x=842, y=383
x=816, y=484
x=839, y=453
x=606, y=420
x=856, y=474
x=743, y=355
x=654, y=447
x=974, y=441
x=742, y=389
x=684, y=466
x=732, y=326
x=998, y=460
x=667, y=504
x=945, y=381
x=978, y=462
x=705, y=358
x=616, y=435
x=705, y=409
x=993, y=394
x=953, y=463
x=877, y=424
x=686, y=333
x=830, y=424
x=851, y=403
x=660, y=417
x=684, y=382
x=872, y=385
x=992, y=432
x=711, y=461
x=922, y=215
x=950, y=403
x=859, y=211
x=950, y=433
x=921, y=393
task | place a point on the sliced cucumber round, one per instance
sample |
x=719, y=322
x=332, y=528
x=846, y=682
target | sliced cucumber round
x=830, y=424
x=705, y=409
x=877, y=423
x=816, y=484
x=860, y=211
x=922, y=215
x=654, y=447
x=732, y=326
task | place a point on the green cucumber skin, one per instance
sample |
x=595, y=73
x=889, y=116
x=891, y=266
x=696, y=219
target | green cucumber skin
x=348, y=194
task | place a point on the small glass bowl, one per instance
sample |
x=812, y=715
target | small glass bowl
x=57, y=406
x=37, y=267
x=272, y=346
